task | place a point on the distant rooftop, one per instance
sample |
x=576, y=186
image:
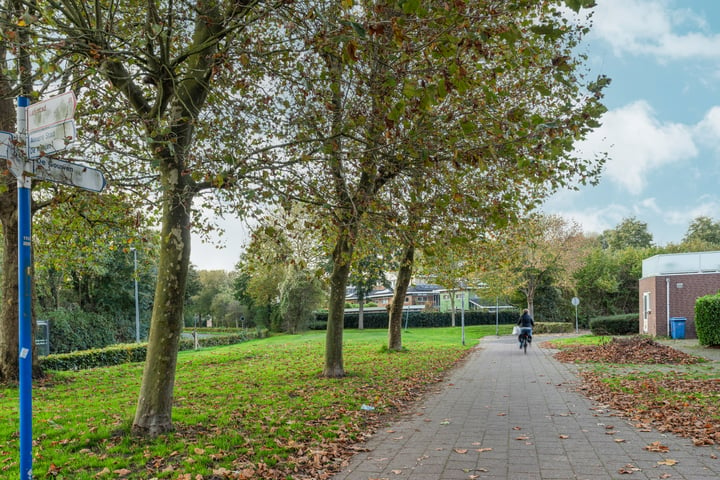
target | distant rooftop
x=424, y=287
x=677, y=263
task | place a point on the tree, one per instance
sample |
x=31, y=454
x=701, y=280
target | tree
x=367, y=273
x=262, y=286
x=450, y=265
x=226, y=311
x=11, y=84
x=281, y=244
x=607, y=281
x=169, y=67
x=631, y=232
x=377, y=103
x=703, y=230
x=546, y=248
x=212, y=284
x=301, y=294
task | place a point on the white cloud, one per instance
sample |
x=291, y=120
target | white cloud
x=637, y=144
x=592, y=219
x=648, y=205
x=707, y=131
x=706, y=207
x=653, y=27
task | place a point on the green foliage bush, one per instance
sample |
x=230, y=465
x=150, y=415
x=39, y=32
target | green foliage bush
x=626, y=324
x=707, y=319
x=72, y=330
x=119, y=354
x=553, y=327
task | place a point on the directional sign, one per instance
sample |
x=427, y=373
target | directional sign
x=52, y=111
x=7, y=147
x=67, y=173
x=51, y=139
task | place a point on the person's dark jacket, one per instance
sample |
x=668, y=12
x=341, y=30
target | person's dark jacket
x=526, y=321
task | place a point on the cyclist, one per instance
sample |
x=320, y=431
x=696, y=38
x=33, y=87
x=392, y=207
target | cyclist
x=525, y=322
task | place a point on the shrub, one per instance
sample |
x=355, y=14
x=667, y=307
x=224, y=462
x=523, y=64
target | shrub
x=119, y=354
x=80, y=360
x=626, y=324
x=707, y=319
x=72, y=330
x=553, y=327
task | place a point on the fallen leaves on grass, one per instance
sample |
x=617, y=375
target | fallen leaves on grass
x=626, y=350
x=672, y=402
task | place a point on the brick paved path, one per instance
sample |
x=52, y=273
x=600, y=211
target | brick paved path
x=505, y=415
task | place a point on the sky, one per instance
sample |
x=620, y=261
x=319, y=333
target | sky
x=661, y=131
x=662, y=128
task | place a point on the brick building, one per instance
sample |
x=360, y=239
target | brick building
x=669, y=286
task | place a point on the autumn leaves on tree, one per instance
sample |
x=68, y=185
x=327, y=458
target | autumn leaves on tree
x=405, y=119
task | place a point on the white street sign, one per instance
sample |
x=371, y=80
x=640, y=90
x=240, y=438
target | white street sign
x=51, y=139
x=7, y=147
x=52, y=111
x=74, y=174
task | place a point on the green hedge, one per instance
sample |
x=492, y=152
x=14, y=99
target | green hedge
x=626, y=324
x=707, y=320
x=130, y=353
x=419, y=319
x=553, y=327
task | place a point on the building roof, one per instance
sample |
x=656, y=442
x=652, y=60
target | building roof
x=351, y=293
x=679, y=263
x=424, y=288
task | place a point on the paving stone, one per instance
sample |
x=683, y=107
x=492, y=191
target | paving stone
x=526, y=409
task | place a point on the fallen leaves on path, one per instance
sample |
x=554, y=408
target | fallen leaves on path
x=656, y=447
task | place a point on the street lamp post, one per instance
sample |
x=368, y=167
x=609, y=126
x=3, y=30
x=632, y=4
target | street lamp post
x=576, y=301
x=462, y=316
x=137, y=305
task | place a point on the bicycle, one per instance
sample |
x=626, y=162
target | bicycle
x=525, y=341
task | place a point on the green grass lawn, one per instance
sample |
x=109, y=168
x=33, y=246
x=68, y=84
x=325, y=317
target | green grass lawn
x=257, y=409
x=580, y=340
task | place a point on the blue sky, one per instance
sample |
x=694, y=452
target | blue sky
x=661, y=131
x=662, y=128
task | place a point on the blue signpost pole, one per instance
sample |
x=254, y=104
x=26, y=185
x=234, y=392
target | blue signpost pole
x=24, y=304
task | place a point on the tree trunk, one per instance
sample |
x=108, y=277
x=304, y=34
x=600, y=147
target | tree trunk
x=9, y=320
x=154, y=409
x=342, y=256
x=403, y=280
x=9, y=354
